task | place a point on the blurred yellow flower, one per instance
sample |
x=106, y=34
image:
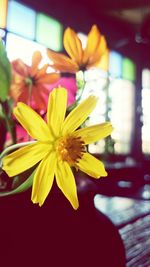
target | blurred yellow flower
x=60, y=146
x=79, y=58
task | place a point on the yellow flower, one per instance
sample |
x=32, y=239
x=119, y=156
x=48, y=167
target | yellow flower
x=80, y=59
x=60, y=145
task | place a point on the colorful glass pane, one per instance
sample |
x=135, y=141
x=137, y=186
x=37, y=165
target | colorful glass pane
x=128, y=69
x=21, y=19
x=49, y=32
x=115, y=64
x=3, y=13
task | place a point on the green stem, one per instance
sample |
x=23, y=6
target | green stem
x=9, y=123
x=80, y=84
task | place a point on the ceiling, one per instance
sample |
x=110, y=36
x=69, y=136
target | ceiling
x=136, y=18
x=123, y=22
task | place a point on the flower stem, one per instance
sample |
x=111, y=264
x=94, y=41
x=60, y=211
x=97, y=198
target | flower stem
x=9, y=123
x=80, y=84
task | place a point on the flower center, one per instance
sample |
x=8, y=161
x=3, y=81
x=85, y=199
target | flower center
x=30, y=80
x=70, y=149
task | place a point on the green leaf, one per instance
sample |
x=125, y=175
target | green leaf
x=21, y=188
x=5, y=73
x=2, y=115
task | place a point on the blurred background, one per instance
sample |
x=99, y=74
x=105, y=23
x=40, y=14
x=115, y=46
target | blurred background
x=123, y=88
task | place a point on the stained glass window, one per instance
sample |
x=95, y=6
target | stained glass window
x=25, y=30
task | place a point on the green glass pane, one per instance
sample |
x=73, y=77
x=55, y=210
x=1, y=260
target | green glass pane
x=49, y=32
x=128, y=69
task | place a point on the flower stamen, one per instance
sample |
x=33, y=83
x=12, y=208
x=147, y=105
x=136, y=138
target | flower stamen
x=70, y=149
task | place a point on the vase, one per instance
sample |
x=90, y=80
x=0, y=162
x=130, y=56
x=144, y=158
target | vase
x=55, y=235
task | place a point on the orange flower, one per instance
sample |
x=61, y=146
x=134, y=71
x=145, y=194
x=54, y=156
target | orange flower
x=80, y=59
x=29, y=82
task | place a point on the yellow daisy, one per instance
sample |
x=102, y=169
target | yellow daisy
x=59, y=146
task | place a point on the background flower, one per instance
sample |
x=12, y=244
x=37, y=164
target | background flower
x=70, y=84
x=21, y=136
x=29, y=82
x=79, y=58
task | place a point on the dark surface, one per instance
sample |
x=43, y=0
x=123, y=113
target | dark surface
x=56, y=235
x=136, y=238
x=132, y=218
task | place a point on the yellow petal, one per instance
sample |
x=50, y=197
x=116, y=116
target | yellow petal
x=24, y=158
x=92, y=166
x=102, y=48
x=32, y=122
x=77, y=116
x=43, y=179
x=94, y=37
x=62, y=62
x=99, y=52
x=73, y=45
x=57, y=109
x=103, y=63
x=66, y=182
x=94, y=133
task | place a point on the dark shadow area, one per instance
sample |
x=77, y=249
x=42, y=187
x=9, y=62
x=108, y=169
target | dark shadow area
x=56, y=235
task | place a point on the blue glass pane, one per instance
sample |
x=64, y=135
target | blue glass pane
x=115, y=64
x=21, y=19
